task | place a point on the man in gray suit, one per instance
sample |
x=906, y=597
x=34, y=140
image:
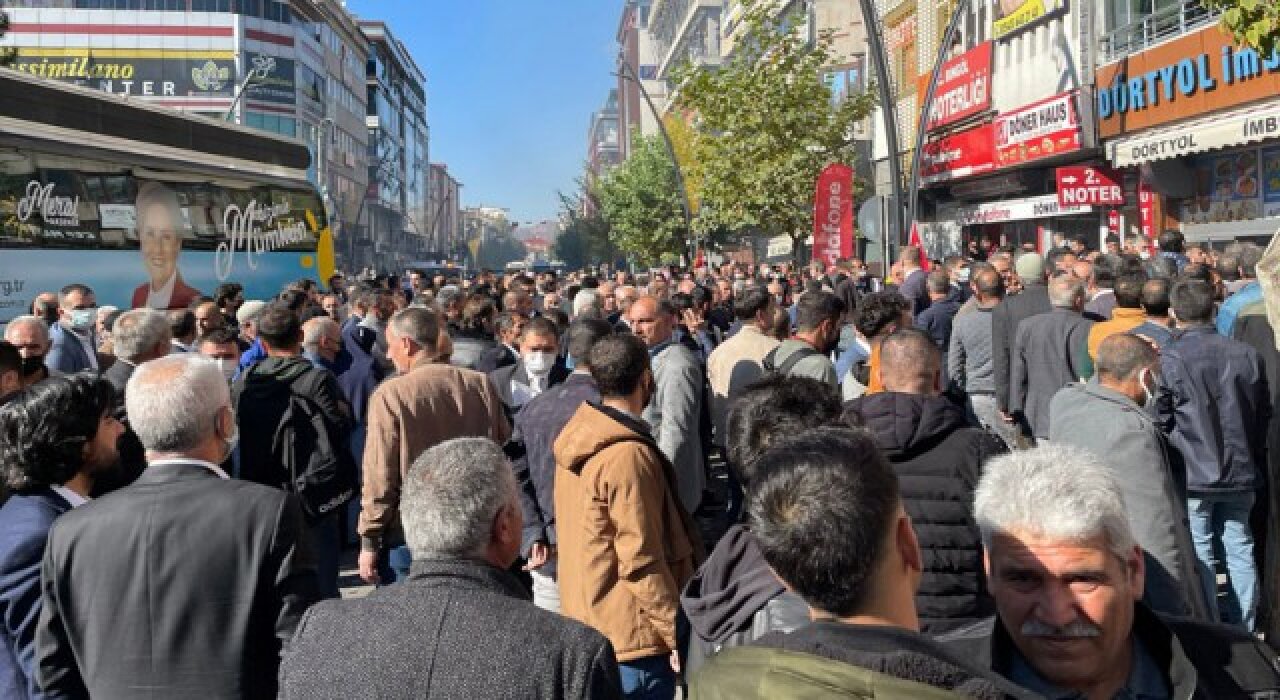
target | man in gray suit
x=461, y=626
x=1050, y=351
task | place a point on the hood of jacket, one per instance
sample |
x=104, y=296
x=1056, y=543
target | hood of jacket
x=905, y=425
x=596, y=428
x=273, y=370
x=730, y=587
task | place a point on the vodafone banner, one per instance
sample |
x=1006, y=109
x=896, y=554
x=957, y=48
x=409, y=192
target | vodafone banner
x=964, y=87
x=833, y=214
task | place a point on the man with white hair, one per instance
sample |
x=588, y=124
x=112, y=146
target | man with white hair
x=141, y=335
x=30, y=335
x=1068, y=576
x=588, y=302
x=461, y=513
x=187, y=583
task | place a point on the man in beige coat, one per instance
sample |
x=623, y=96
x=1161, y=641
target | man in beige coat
x=429, y=402
x=626, y=546
x=736, y=363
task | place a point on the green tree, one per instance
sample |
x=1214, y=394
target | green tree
x=499, y=249
x=1253, y=23
x=642, y=204
x=767, y=126
x=584, y=239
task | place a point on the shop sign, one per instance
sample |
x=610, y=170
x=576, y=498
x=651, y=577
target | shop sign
x=1259, y=125
x=833, y=214
x=54, y=210
x=1201, y=73
x=1086, y=184
x=1041, y=130
x=1013, y=16
x=1147, y=210
x=184, y=74
x=967, y=153
x=1113, y=221
x=964, y=87
x=279, y=84
x=1042, y=207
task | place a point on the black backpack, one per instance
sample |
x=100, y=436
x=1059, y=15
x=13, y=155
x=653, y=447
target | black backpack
x=770, y=360
x=316, y=467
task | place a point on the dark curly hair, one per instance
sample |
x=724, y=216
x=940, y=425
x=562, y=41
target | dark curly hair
x=878, y=310
x=43, y=429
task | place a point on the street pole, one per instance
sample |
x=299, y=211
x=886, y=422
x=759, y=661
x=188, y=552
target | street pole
x=263, y=67
x=888, y=108
x=628, y=73
x=962, y=9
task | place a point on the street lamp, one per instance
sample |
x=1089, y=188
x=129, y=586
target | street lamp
x=263, y=67
x=962, y=9
x=888, y=109
x=626, y=72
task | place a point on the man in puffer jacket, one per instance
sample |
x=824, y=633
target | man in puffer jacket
x=938, y=459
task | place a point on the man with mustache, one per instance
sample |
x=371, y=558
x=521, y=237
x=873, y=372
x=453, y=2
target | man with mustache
x=1067, y=578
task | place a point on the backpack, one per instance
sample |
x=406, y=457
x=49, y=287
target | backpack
x=770, y=360
x=316, y=467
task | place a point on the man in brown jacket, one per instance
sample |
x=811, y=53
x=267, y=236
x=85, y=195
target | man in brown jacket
x=626, y=546
x=429, y=402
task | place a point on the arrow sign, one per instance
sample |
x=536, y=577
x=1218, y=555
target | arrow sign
x=1088, y=186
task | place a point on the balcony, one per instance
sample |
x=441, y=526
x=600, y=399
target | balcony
x=1146, y=30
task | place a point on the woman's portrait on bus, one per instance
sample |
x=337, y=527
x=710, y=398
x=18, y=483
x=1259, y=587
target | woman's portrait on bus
x=160, y=225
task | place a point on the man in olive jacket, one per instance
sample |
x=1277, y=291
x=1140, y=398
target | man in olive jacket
x=626, y=546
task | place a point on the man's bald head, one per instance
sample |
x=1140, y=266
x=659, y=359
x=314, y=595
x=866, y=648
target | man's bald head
x=910, y=363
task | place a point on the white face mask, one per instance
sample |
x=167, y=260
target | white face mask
x=1150, y=392
x=539, y=362
x=228, y=368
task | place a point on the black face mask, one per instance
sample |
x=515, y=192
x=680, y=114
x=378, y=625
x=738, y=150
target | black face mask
x=49, y=312
x=32, y=365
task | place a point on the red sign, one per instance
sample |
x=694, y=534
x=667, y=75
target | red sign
x=1147, y=210
x=970, y=152
x=964, y=87
x=1047, y=128
x=1088, y=185
x=1113, y=221
x=833, y=215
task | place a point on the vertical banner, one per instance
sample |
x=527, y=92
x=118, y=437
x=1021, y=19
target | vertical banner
x=833, y=215
x=1147, y=211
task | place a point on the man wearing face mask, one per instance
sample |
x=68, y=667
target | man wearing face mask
x=1111, y=416
x=74, y=348
x=30, y=336
x=807, y=353
x=202, y=539
x=536, y=371
x=221, y=346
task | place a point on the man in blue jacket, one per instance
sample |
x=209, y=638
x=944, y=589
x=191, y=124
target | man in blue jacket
x=1216, y=408
x=55, y=437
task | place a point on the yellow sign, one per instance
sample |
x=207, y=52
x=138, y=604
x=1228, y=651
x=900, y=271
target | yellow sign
x=1022, y=15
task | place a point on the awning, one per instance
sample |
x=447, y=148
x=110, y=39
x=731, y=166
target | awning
x=1237, y=128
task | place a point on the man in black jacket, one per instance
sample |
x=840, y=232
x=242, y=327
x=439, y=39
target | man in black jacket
x=1032, y=300
x=938, y=459
x=1050, y=351
x=1067, y=577
x=283, y=386
x=460, y=626
x=185, y=584
x=535, y=430
x=538, y=369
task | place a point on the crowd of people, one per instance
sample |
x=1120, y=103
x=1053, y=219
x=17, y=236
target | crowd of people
x=997, y=475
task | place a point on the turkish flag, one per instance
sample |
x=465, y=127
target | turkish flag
x=915, y=241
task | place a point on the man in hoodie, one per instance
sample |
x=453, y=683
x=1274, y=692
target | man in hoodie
x=828, y=517
x=938, y=459
x=734, y=599
x=262, y=396
x=626, y=545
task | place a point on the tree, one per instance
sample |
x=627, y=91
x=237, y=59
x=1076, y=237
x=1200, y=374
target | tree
x=498, y=249
x=584, y=238
x=643, y=205
x=1253, y=23
x=767, y=126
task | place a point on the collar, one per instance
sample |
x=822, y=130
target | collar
x=315, y=359
x=72, y=498
x=628, y=420
x=167, y=287
x=1121, y=312
x=1102, y=292
x=469, y=572
x=186, y=461
x=1145, y=682
x=657, y=349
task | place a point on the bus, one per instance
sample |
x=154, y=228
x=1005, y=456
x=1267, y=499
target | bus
x=149, y=207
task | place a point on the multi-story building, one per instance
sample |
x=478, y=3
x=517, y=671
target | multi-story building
x=683, y=32
x=445, y=227
x=306, y=58
x=396, y=117
x=603, y=142
x=638, y=68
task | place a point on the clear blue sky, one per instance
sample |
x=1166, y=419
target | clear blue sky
x=511, y=85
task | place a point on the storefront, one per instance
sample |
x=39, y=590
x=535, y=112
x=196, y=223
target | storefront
x=1194, y=124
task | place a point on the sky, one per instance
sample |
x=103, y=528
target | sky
x=511, y=85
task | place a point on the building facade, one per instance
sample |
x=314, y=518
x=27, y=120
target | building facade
x=445, y=228
x=683, y=32
x=638, y=59
x=398, y=160
x=604, y=145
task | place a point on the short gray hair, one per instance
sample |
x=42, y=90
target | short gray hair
x=587, y=299
x=315, y=329
x=29, y=320
x=173, y=402
x=451, y=496
x=448, y=295
x=1064, y=290
x=1055, y=492
x=138, y=332
x=419, y=324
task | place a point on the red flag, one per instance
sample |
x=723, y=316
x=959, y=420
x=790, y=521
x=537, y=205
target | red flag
x=915, y=241
x=833, y=215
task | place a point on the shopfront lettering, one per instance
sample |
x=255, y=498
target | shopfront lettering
x=55, y=210
x=255, y=230
x=1183, y=79
x=1163, y=148
x=1264, y=127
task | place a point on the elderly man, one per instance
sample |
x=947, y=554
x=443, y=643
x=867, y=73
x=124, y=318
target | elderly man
x=675, y=408
x=322, y=343
x=1109, y=416
x=430, y=402
x=1050, y=351
x=738, y=361
x=461, y=516
x=1068, y=576
x=204, y=542
x=141, y=335
x=73, y=348
x=588, y=304
x=624, y=297
x=30, y=335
